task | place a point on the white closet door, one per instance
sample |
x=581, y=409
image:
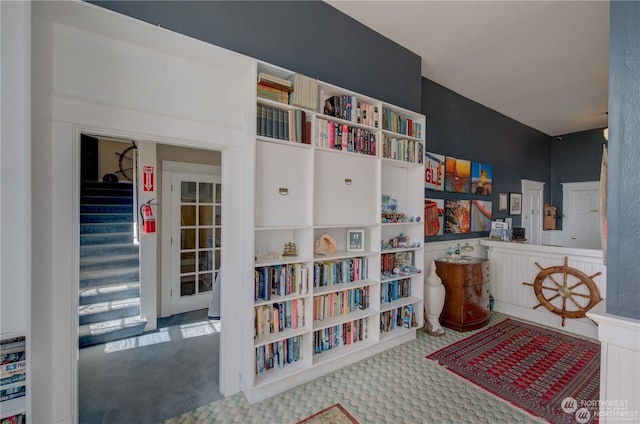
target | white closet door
x=283, y=184
x=346, y=189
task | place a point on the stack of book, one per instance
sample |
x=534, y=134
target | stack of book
x=274, y=88
x=305, y=92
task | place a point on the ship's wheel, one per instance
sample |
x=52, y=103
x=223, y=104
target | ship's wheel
x=570, y=298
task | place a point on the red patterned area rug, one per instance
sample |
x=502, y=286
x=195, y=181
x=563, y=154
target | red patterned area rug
x=531, y=367
x=335, y=414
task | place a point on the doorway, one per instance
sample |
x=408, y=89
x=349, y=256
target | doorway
x=532, y=192
x=192, y=204
x=103, y=368
x=581, y=223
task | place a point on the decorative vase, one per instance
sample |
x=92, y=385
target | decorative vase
x=434, y=302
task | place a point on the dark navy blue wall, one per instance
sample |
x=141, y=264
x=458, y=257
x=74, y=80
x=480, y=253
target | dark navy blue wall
x=623, y=202
x=309, y=37
x=459, y=127
x=575, y=157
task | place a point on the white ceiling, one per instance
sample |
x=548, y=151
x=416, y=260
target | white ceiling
x=543, y=63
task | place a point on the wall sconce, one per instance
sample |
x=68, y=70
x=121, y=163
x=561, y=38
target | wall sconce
x=605, y=132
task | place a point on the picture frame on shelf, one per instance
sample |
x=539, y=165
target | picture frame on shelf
x=355, y=240
x=515, y=203
x=504, y=202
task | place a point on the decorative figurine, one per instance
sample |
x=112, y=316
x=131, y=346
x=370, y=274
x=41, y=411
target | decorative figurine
x=290, y=249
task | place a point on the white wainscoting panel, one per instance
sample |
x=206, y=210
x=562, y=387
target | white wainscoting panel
x=513, y=264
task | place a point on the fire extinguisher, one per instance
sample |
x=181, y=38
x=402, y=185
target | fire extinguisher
x=148, y=220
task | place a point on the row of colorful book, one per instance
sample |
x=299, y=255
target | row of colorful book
x=289, y=125
x=402, y=149
x=278, y=354
x=280, y=280
x=338, y=136
x=396, y=318
x=350, y=109
x=390, y=261
x=340, y=335
x=277, y=317
x=340, y=303
x=394, y=290
x=392, y=121
x=340, y=271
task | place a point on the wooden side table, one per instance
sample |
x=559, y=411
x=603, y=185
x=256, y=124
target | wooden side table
x=466, y=284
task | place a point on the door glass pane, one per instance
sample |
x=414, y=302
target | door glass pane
x=217, y=258
x=218, y=193
x=205, y=282
x=188, y=262
x=206, y=193
x=206, y=215
x=187, y=285
x=188, y=192
x=188, y=239
x=206, y=238
x=217, y=237
x=206, y=261
x=187, y=216
x=218, y=215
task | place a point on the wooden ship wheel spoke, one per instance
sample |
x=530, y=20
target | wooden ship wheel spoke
x=567, y=292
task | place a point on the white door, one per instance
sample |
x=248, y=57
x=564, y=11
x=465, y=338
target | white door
x=195, y=239
x=584, y=219
x=532, y=210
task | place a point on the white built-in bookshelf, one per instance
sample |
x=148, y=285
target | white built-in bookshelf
x=327, y=162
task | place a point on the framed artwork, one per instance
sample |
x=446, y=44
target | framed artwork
x=457, y=216
x=457, y=175
x=481, y=178
x=434, y=171
x=515, y=203
x=504, y=202
x=433, y=217
x=480, y=215
x=355, y=240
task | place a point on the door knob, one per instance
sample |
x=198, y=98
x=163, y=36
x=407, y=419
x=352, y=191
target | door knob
x=574, y=238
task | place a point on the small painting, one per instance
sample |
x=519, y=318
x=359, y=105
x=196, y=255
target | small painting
x=502, y=206
x=434, y=171
x=433, y=217
x=515, y=203
x=480, y=215
x=481, y=177
x=457, y=176
x=456, y=216
x=355, y=240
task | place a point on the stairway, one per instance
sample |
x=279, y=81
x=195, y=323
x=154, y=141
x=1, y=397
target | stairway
x=109, y=296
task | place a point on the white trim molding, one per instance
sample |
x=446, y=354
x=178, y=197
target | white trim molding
x=619, y=366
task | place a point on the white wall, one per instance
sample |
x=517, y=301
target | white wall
x=15, y=172
x=107, y=74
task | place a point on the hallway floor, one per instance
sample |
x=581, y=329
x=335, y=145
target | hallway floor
x=396, y=386
x=152, y=377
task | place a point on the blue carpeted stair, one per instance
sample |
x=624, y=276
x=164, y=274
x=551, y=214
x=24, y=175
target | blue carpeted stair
x=109, y=298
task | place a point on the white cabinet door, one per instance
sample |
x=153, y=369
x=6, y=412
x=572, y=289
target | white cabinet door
x=346, y=189
x=283, y=185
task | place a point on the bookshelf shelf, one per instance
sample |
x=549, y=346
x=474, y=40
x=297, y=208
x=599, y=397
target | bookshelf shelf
x=309, y=189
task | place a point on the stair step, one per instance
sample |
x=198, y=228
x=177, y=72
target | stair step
x=92, y=334
x=96, y=208
x=112, y=249
x=100, y=239
x=98, y=294
x=96, y=263
x=100, y=218
x=108, y=277
x=106, y=227
x=100, y=184
x=107, y=191
x=106, y=311
x=106, y=200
